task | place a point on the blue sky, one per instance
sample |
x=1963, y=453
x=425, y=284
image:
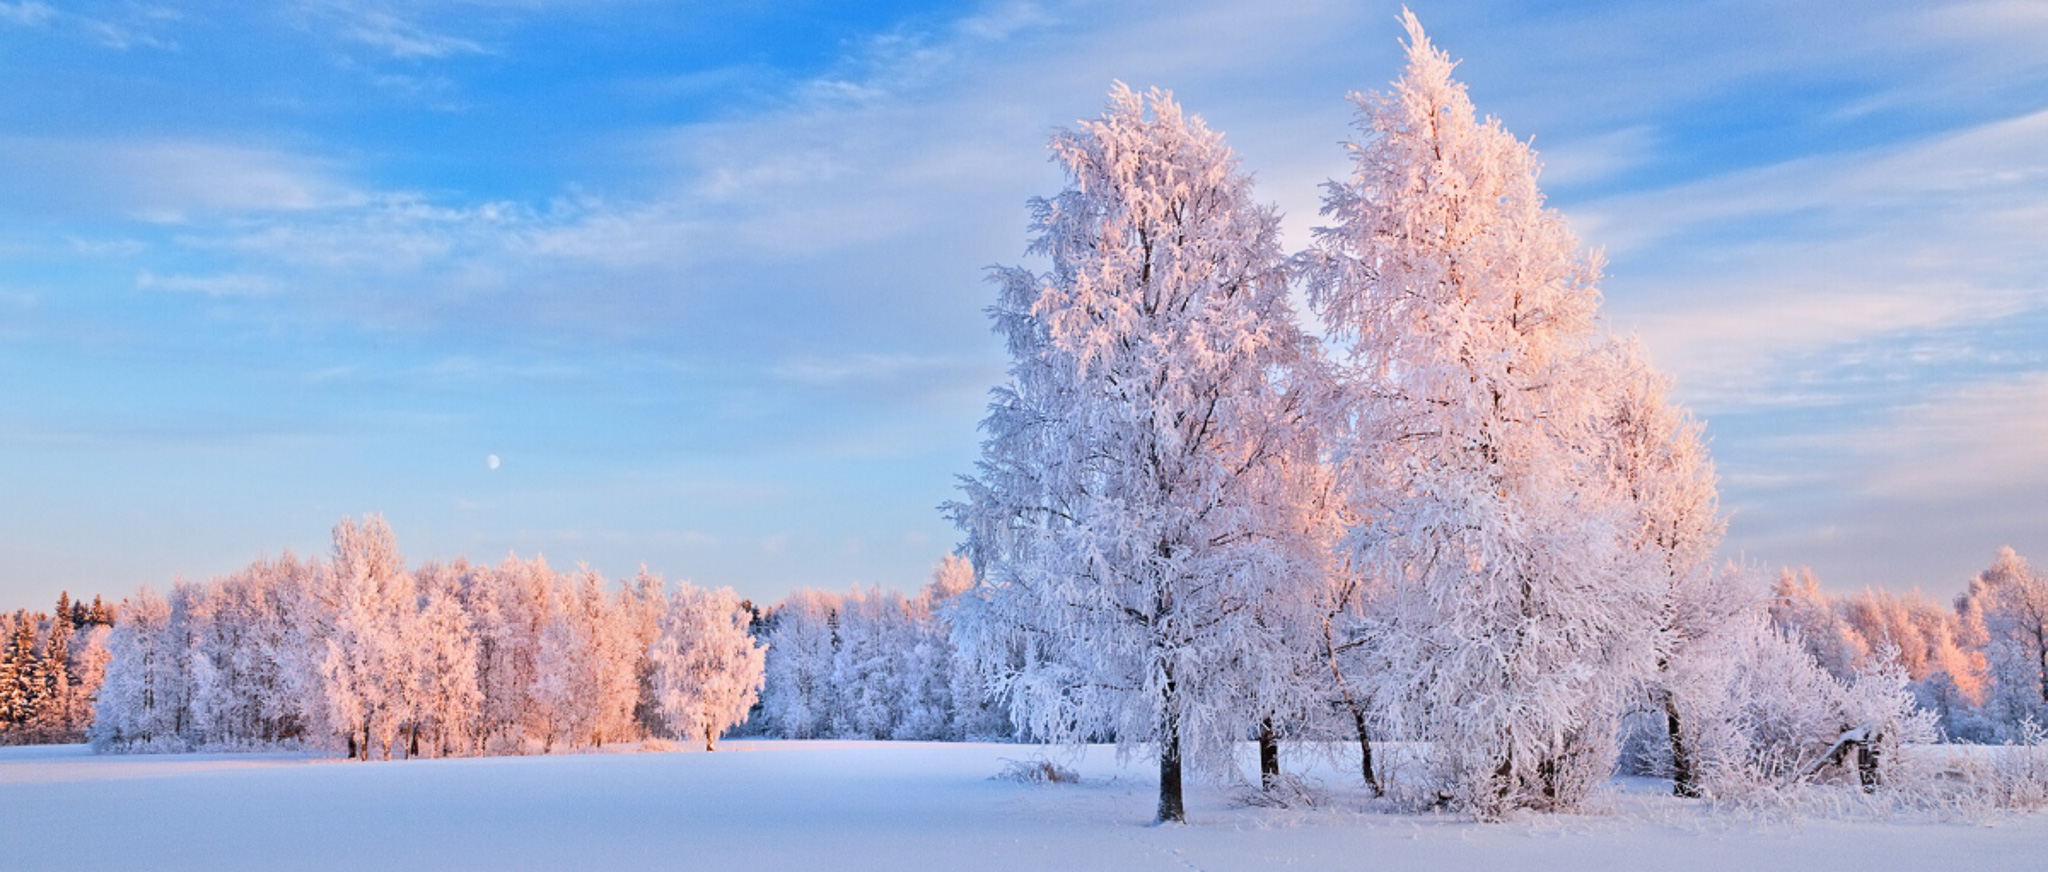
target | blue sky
x=708, y=276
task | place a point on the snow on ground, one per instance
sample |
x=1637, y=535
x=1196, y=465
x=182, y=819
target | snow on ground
x=845, y=806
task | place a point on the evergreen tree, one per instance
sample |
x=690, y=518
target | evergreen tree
x=14, y=695
x=54, y=719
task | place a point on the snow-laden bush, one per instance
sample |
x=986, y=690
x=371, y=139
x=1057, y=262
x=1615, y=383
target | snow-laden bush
x=1037, y=770
x=1286, y=790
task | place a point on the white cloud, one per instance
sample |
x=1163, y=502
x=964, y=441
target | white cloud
x=164, y=181
x=139, y=33
x=1728, y=349
x=227, y=285
x=2019, y=26
x=27, y=13
x=1004, y=21
x=1598, y=157
x=826, y=371
x=1986, y=437
x=1730, y=277
x=380, y=26
x=2002, y=163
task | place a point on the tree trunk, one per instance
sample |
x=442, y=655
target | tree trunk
x=1171, y=809
x=412, y=746
x=2041, y=644
x=709, y=739
x=351, y=744
x=1683, y=781
x=1269, y=754
x=1504, y=774
x=1365, y=770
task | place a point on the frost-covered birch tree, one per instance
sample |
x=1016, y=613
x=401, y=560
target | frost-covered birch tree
x=1121, y=515
x=798, y=697
x=707, y=666
x=140, y=705
x=357, y=638
x=1660, y=461
x=2007, y=605
x=448, y=700
x=1516, y=614
x=870, y=664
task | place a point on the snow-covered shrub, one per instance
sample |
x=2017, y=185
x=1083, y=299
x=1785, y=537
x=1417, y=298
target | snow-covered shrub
x=1776, y=715
x=1287, y=790
x=1037, y=770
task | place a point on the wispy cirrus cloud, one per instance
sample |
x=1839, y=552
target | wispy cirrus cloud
x=227, y=285
x=136, y=26
x=27, y=13
x=1983, y=437
x=384, y=28
x=1731, y=276
x=163, y=181
x=829, y=371
x=115, y=26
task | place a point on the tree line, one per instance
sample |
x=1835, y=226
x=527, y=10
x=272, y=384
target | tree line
x=359, y=655
x=51, y=666
x=1980, y=666
x=874, y=664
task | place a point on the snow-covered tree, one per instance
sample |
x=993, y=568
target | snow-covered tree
x=2006, y=606
x=244, y=654
x=928, y=708
x=448, y=702
x=978, y=714
x=364, y=606
x=1660, y=461
x=1809, y=616
x=798, y=698
x=565, y=681
x=21, y=675
x=508, y=606
x=707, y=666
x=1121, y=516
x=1516, y=613
x=53, y=720
x=141, y=704
x=621, y=644
x=948, y=699
x=89, y=659
x=870, y=669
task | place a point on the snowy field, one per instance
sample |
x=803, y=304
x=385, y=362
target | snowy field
x=845, y=806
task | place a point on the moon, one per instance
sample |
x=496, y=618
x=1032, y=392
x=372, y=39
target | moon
x=491, y=462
